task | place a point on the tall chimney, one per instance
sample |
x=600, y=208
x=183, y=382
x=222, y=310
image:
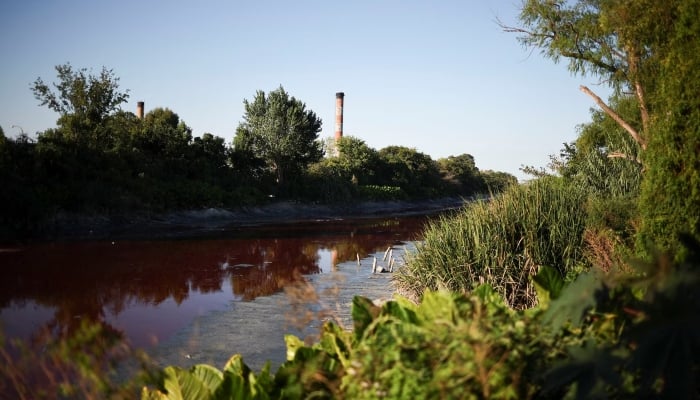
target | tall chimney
x=339, y=115
x=139, y=110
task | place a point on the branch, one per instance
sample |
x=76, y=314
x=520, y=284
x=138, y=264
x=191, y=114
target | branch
x=577, y=54
x=597, y=62
x=633, y=132
x=617, y=154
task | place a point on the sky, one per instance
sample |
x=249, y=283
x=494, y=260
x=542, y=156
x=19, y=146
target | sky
x=438, y=76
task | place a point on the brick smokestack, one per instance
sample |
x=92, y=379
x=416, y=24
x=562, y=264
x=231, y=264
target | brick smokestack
x=339, y=115
x=139, y=110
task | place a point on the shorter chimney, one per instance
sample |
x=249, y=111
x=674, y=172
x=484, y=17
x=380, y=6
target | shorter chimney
x=139, y=110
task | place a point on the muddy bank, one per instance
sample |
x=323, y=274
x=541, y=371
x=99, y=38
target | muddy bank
x=217, y=221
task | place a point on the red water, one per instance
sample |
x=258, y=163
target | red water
x=149, y=289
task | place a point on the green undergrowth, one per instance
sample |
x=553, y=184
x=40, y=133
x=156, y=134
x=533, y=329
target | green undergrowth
x=632, y=335
x=501, y=242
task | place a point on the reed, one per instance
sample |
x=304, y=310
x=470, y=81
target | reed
x=502, y=242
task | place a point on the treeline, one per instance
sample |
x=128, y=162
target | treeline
x=100, y=159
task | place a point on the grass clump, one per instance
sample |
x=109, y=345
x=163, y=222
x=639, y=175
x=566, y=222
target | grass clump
x=501, y=242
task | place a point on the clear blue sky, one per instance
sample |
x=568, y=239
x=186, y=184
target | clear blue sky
x=438, y=76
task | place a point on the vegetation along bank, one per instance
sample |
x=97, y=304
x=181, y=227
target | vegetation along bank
x=582, y=283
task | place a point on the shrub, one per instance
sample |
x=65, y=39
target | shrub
x=501, y=242
x=449, y=346
x=379, y=193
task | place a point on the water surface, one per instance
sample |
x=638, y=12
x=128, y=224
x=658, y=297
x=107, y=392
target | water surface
x=158, y=292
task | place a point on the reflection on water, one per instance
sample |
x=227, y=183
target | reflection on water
x=150, y=289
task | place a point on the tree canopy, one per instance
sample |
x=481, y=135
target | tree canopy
x=83, y=100
x=617, y=41
x=278, y=129
x=648, y=50
x=101, y=159
x=355, y=160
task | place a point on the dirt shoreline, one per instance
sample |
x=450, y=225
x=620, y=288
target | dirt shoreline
x=213, y=221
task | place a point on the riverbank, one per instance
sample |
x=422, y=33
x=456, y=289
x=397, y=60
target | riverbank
x=213, y=221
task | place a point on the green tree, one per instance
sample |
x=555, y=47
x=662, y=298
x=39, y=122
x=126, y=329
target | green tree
x=646, y=48
x=604, y=159
x=461, y=170
x=355, y=160
x=209, y=158
x=670, y=200
x=614, y=40
x=279, y=130
x=497, y=181
x=84, y=101
x=413, y=171
x=164, y=134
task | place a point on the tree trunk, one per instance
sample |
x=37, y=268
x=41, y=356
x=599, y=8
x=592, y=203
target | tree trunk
x=633, y=132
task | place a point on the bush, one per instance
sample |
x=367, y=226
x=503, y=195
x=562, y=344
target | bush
x=381, y=193
x=501, y=242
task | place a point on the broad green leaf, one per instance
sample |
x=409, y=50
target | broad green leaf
x=363, y=313
x=335, y=342
x=208, y=375
x=293, y=344
x=437, y=305
x=398, y=311
x=152, y=394
x=486, y=293
x=549, y=284
x=574, y=301
x=234, y=387
x=235, y=365
x=199, y=382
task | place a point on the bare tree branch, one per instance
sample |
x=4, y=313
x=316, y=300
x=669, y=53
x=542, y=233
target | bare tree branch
x=617, y=154
x=633, y=132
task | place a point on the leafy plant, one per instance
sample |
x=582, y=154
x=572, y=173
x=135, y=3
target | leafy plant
x=501, y=242
x=633, y=334
x=203, y=381
x=449, y=346
x=93, y=362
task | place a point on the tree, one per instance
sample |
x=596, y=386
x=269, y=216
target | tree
x=280, y=131
x=355, y=160
x=648, y=49
x=4, y=151
x=592, y=161
x=497, y=181
x=462, y=171
x=164, y=134
x=209, y=159
x=83, y=101
x=413, y=171
x=615, y=40
x=670, y=198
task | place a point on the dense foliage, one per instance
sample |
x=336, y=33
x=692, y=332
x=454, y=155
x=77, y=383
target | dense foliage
x=105, y=161
x=579, y=285
x=647, y=50
x=599, y=336
x=280, y=133
x=671, y=189
x=501, y=242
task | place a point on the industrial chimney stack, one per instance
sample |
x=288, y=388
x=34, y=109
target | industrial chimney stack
x=339, y=115
x=139, y=110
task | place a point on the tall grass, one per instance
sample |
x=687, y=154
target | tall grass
x=501, y=242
